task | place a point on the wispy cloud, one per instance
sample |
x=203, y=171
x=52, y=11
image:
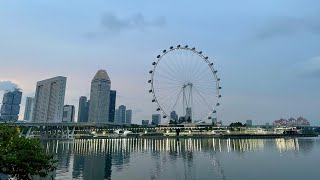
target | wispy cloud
x=309, y=68
x=112, y=23
x=283, y=26
x=8, y=86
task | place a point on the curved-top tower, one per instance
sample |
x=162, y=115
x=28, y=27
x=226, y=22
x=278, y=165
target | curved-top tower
x=100, y=97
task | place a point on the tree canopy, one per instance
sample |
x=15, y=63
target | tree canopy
x=23, y=158
x=237, y=124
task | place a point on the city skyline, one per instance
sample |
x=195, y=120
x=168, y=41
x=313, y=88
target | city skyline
x=267, y=56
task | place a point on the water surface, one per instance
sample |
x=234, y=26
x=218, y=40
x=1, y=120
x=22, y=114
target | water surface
x=209, y=158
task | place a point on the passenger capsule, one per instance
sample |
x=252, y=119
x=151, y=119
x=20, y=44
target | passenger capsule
x=211, y=64
x=151, y=72
x=158, y=109
x=206, y=57
x=214, y=111
x=154, y=63
x=209, y=117
x=200, y=52
x=215, y=71
x=164, y=116
x=164, y=51
x=220, y=87
x=150, y=91
x=220, y=96
x=171, y=47
x=218, y=104
x=218, y=79
x=149, y=81
x=186, y=46
x=153, y=100
x=178, y=46
x=194, y=48
x=158, y=56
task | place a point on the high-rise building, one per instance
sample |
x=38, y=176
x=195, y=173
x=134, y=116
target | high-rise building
x=122, y=114
x=128, y=116
x=249, y=123
x=117, y=116
x=188, y=114
x=156, y=119
x=68, y=113
x=29, y=109
x=112, y=106
x=83, y=109
x=145, y=122
x=11, y=106
x=174, y=116
x=100, y=97
x=49, y=100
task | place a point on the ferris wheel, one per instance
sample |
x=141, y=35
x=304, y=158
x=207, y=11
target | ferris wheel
x=184, y=85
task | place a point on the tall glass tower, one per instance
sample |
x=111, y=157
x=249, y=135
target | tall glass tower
x=100, y=97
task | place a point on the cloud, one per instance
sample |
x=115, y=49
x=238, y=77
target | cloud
x=8, y=86
x=283, y=26
x=111, y=23
x=309, y=68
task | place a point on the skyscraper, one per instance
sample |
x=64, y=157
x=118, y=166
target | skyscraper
x=49, y=100
x=100, y=97
x=128, y=116
x=188, y=114
x=112, y=106
x=117, y=116
x=83, y=109
x=122, y=114
x=174, y=116
x=68, y=113
x=29, y=109
x=156, y=119
x=11, y=105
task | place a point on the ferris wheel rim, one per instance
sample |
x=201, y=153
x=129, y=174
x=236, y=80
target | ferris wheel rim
x=204, y=58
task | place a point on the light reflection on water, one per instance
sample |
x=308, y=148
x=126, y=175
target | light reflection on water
x=206, y=158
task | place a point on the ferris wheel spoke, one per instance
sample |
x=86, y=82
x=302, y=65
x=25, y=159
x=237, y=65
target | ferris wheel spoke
x=202, y=73
x=167, y=77
x=204, y=100
x=176, y=66
x=172, y=71
x=176, y=100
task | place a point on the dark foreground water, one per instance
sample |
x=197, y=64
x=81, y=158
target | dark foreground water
x=244, y=159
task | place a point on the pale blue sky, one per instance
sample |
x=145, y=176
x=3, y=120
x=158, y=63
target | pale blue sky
x=267, y=52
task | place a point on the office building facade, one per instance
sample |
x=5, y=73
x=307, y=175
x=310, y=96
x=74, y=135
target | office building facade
x=10, y=107
x=156, y=119
x=83, y=111
x=117, y=116
x=128, y=116
x=49, y=100
x=122, y=114
x=100, y=97
x=174, y=116
x=112, y=106
x=28, y=111
x=68, y=113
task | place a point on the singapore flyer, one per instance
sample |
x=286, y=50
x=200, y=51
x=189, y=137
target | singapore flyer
x=184, y=85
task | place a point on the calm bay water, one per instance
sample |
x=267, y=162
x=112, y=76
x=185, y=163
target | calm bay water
x=209, y=158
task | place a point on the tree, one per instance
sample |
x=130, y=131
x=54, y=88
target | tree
x=237, y=124
x=23, y=158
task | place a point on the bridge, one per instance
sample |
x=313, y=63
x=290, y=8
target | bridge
x=63, y=130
